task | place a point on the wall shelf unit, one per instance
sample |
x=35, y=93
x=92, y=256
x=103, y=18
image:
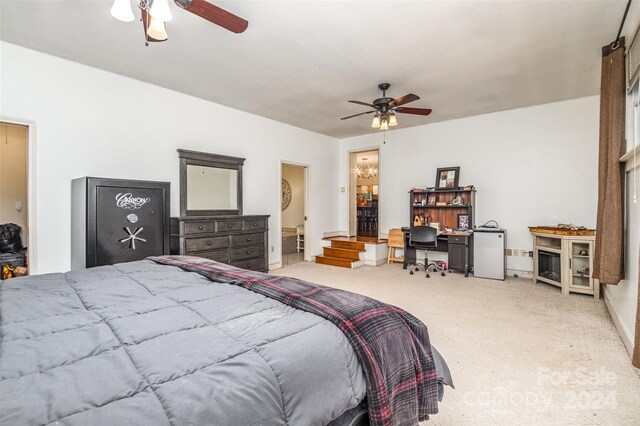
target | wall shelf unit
x=445, y=215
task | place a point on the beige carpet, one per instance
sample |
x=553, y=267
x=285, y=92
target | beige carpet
x=519, y=353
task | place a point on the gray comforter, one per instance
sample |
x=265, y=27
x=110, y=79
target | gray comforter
x=142, y=343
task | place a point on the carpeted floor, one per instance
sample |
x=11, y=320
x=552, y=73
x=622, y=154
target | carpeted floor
x=519, y=353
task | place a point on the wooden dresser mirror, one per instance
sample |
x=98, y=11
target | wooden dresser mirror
x=210, y=184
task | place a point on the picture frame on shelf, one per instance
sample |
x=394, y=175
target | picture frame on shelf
x=463, y=221
x=435, y=225
x=431, y=201
x=447, y=177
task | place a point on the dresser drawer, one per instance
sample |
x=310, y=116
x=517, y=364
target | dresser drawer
x=228, y=225
x=247, y=239
x=253, y=264
x=199, y=227
x=246, y=252
x=256, y=225
x=205, y=243
x=457, y=239
x=217, y=255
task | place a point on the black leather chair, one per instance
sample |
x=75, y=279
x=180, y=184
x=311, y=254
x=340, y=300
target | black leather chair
x=424, y=238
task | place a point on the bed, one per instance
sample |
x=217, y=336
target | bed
x=147, y=343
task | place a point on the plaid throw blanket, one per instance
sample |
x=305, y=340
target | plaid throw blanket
x=392, y=345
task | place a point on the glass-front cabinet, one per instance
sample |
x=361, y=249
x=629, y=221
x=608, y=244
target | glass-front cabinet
x=580, y=266
x=565, y=261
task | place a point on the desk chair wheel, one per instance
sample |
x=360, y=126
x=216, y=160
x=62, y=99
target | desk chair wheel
x=442, y=273
x=417, y=269
x=410, y=272
x=428, y=276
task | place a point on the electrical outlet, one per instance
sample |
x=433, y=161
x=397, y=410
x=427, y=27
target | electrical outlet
x=531, y=253
x=507, y=252
x=343, y=189
x=525, y=253
x=516, y=252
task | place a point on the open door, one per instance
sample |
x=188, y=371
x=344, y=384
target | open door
x=14, y=197
x=364, y=191
x=293, y=218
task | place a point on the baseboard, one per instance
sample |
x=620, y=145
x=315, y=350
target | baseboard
x=521, y=274
x=371, y=262
x=330, y=234
x=276, y=265
x=625, y=336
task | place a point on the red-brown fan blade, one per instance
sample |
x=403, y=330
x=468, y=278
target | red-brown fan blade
x=404, y=100
x=363, y=103
x=415, y=111
x=355, y=115
x=214, y=14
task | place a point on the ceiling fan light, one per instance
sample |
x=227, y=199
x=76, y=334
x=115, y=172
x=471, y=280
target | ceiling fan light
x=392, y=120
x=157, y=30
x=376, y=122
x=160, y=10
x=122, y=11
x=384, y=125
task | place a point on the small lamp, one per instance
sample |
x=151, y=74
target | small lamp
x=121, y=10
x=376, y=121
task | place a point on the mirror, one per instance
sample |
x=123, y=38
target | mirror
x=210, y=184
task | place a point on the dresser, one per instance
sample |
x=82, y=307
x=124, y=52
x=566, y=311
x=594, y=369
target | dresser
x=239, y=240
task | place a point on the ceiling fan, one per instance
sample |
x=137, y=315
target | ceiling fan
x=156, y=13
x=385, y=108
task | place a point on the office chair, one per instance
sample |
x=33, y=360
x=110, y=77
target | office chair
x=424, y=238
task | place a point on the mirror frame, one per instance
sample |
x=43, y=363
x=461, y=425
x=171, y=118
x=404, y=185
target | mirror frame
x=196, y=158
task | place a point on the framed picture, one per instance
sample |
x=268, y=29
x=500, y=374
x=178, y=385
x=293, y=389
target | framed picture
x=432, y=201
x=447, y=177
x=435, y=225
x=463, y=221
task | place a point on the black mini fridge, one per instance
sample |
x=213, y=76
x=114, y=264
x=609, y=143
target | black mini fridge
x=117, y=220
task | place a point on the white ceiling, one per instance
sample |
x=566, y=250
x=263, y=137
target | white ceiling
x=300, y=61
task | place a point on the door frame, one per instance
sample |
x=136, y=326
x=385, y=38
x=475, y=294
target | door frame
x=32, y=251
x=307, y=201
x=352, y=208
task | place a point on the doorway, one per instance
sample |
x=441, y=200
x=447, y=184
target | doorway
x=293, y=217
x=364, y=193
x=14, y=199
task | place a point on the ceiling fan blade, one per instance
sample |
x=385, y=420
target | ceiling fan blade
x=355, y=115
x=214, y=14
x=363, y=103
x=404, y=100
x=415, y=111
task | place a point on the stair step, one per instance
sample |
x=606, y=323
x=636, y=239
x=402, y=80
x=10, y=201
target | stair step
x=334, y=261
x=352, y=245
x=342, y=253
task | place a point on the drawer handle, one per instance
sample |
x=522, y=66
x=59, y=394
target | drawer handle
x=248, y=251
x=201, y=227
x=230, y=226
x=248, y=239
x=249, y=265
x=255, y=224
x=208, y=243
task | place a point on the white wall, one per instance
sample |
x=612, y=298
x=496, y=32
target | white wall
x=293, y=215
x=94, y=123
x=531, y=166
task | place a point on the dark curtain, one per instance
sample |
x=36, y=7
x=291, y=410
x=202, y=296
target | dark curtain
x=636, y=349
x=609, y=250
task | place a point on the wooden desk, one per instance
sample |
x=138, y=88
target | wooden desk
x=458, y=246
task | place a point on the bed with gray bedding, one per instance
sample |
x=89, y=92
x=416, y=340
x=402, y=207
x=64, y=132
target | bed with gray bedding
x=150, y=344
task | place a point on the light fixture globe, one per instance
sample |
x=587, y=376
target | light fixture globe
x=376, y=121
x=392, y=120
x=122, y=11
x=384, y=125
x=157, y=30
x=160, y=10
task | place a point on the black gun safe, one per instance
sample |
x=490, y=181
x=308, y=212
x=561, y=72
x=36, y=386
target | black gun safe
x=117, y=220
